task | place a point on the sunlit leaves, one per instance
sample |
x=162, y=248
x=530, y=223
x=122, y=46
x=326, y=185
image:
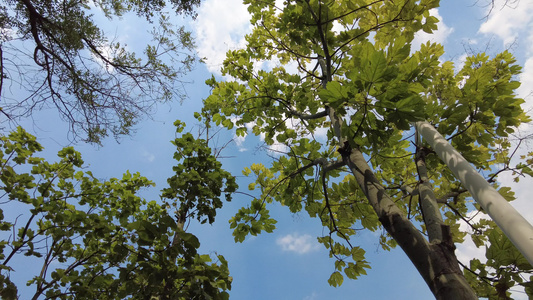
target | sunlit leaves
x=354, y=79
x=373, y=65
x=251, y=220
x=504, y=265
x=199, y=181
x=353, y=269
x=335, y=94
x=335, y=279
x=109, y=242
x=486, y=98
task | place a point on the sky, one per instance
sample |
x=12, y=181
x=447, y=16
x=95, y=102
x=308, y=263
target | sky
x=289, y=263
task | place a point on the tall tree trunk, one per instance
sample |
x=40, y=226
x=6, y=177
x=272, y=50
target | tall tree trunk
x=428, y=201
x=436, y=260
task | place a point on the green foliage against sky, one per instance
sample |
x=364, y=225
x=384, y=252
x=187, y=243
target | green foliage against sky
x=337, y=85
x=55, y=55
x=347, y=68
x=94, y=239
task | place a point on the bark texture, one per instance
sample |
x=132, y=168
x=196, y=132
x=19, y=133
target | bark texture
x=435, y=261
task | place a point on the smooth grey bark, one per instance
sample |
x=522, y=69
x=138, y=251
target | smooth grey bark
x=435, y=261
x=428, y=200
x=511, y=222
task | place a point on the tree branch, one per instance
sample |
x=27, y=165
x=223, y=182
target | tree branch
x=428, y=201
x=302, y=116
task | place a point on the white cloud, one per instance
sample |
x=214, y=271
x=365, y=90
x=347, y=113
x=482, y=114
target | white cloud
x=107, y=53
x=438, y=36
x=220, y=26
x=460, y=61
x=300, y=244
x=508, y=21
x=148, y=156
x=320, y=134
x=313, y=296
x=337, y=27
x=276, y=148
x=279, y=4
x=468, y=250
x=239, y=140
x=526, y=88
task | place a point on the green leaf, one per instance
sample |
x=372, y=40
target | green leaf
x=358, y=254
x=507, y=193
x=334, y=94
x=374, y=68
x=336, y=279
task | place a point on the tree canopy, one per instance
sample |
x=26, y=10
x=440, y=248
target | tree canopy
x=94, y=239
x=347, y=68
x=58, y=54
x=341, y=93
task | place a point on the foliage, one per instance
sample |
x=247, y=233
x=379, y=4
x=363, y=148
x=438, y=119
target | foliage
x=504, y=268
x=199, y=179
x=95, y=239
x=346, y=68
x=57, y=52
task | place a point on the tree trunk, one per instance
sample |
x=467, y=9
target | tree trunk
x=509, y=220
x=435, y=261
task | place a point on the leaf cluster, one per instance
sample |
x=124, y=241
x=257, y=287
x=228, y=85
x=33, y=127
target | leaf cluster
x=345, y=78
x=199, y=181
x=92, y=238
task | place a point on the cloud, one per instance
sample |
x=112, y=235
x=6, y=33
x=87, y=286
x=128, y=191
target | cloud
x=313, y=296
x=508, y=21
x=468, y=250
x=108, y=54
x=460, y=61
x=276, y=149
x=525, y=90
x=239, y=140
x=438, y=36
x=219, y=27
x=300, y=244
x=148, y=156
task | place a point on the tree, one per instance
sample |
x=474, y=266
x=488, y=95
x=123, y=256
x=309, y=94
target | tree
x=98, y=239
x=56, y=51
x=346, y=68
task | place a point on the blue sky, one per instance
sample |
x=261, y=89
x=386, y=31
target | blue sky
x=289, y=263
